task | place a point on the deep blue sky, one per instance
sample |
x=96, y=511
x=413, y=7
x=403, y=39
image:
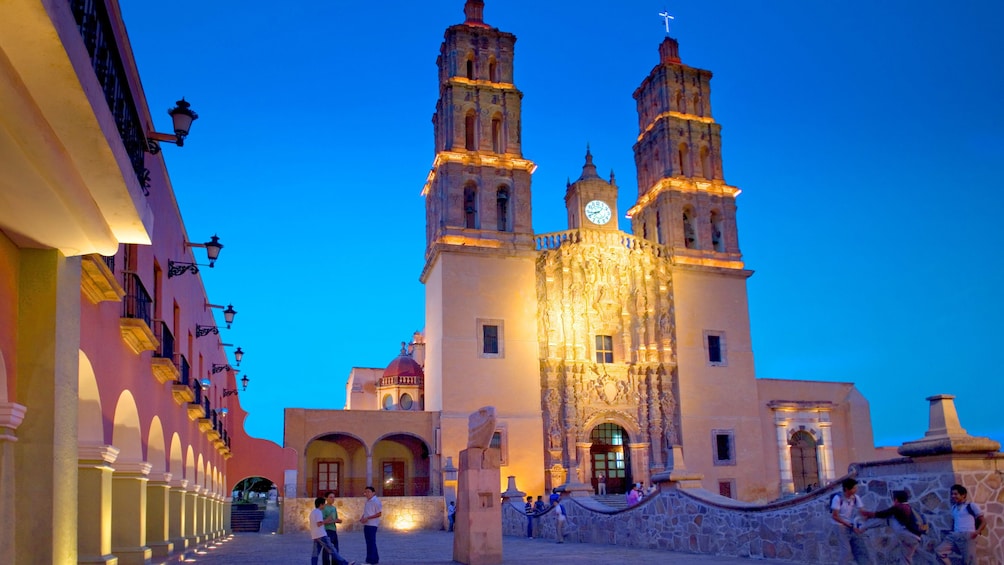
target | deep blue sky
x=867, y=137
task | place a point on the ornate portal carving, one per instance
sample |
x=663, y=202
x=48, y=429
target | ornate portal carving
x=602, y=283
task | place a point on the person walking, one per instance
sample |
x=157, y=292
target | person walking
x=907, y=527
x=968, y=523
x=322, y=544
x=330, y=519
x=845, y=507
x=370, y=520
x=601, y=484
x=560, y=518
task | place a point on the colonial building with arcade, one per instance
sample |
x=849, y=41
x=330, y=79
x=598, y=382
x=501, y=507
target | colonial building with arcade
x=603, y=352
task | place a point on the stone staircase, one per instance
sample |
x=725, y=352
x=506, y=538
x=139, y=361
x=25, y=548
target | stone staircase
x=246, y=518
x=614, y=501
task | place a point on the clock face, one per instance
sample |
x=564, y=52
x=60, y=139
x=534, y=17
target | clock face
x=598, y=212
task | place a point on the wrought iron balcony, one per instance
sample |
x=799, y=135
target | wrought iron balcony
x=162, y=363
x=96, y=29
x=137, y=319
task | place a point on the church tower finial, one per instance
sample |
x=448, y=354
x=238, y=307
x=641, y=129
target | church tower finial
x=474, y=11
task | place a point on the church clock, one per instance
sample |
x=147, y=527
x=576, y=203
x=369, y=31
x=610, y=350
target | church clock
x=598, y=212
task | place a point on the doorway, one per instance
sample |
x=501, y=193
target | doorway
x=610, y=457
x=804, y=464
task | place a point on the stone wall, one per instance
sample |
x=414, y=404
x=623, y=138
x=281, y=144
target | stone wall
x=799, y=529
x=400, y=513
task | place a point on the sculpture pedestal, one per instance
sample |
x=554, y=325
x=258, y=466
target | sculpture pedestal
x=478, y=523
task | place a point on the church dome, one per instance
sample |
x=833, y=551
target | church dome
x=403, y=366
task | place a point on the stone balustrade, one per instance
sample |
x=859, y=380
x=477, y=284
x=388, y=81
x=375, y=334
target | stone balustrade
x=556, y=239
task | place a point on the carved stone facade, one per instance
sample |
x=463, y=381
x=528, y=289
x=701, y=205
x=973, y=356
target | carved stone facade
x=605, y=283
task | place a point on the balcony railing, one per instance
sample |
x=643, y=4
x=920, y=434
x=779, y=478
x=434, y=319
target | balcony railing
x=137, y=303
x=555, y=240
x=99, y=38
x=402, y=380
x=109, y=262
x=166, y=339
x=186, y=371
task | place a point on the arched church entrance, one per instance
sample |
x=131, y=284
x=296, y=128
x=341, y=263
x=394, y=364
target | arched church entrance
x=610, y=457
x=401, y=466
x=804, y=465
x=336, y=463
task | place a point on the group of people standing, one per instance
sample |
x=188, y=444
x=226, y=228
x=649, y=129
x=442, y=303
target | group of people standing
x=908, y=524
x=323, y=522
x=533, y=511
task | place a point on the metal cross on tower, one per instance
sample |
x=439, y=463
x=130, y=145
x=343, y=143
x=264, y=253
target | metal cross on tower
x=666, y=17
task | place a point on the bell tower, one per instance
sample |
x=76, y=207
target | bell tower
x=591, y=201
x=685, y=205
x=479, y=274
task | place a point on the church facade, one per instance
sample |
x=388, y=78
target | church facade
x=605, y=353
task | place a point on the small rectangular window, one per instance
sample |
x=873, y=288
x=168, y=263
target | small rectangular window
x=604, y=349
x=714, y=342
x=725, y=488
x=723, y=443
x=491, y=340
x=714, y=349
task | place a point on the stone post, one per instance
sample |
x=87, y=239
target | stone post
x=787, y=482
x=129, y=512
x=157, y=508
x=177, y=514
x=192, y=537
x=200, y=515
x=585, y=461
x=477, y=538
x=11, y=416
x=94, y=504
x=46, y=381
x=228, y=507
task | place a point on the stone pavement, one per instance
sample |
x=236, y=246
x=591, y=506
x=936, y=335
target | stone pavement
x=435, y=548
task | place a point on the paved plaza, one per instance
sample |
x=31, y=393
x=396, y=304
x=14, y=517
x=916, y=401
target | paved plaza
x=433, y=548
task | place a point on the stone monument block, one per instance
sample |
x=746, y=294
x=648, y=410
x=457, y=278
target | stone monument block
x=478, y=521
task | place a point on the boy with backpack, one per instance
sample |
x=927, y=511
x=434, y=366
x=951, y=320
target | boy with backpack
x=908, y=524
x=967, y=525
x=844, y=507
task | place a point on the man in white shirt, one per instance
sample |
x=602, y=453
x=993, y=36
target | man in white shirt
x=371, y=521
x=845, y=507
x=968, y=523
x=320, y=536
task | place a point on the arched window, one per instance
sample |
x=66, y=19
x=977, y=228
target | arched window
x=470, y=131
x=406, y=401
x=658, y=226
x=697, y=105
x=717, y=240
x=502, y=208
x=470, y=68
x=681, y=105
x=493, y=70
x=706, y=171
x=689, y=233
x=683, y=154
x=470, y=207
x=388, y=402
x=498, y=145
